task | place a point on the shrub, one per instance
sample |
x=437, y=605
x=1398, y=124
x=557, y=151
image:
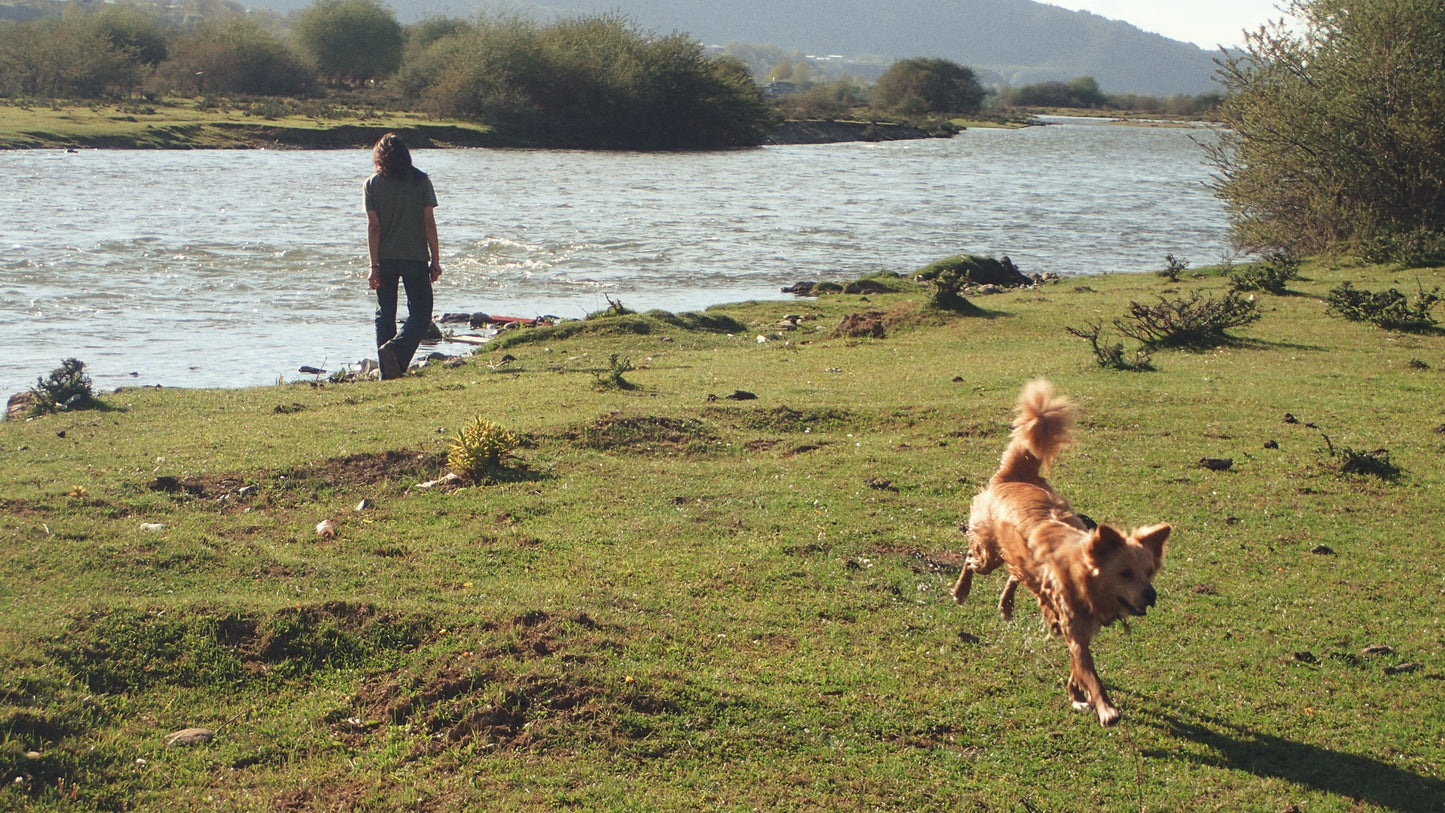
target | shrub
x=1192, y=322
x=1390, y=309
x=1173, y=268
x=611, y=378
x=479, y=448
x=66, y=387
x=1416, y=248
x=1271, y=276
x=1111, y=357
x=614, y=308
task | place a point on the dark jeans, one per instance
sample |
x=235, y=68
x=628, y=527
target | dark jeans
x=415, y=277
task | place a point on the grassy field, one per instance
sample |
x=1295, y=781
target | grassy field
x=677, y=597
x=219, y=124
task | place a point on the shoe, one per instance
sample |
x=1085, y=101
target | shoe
x=390, y=364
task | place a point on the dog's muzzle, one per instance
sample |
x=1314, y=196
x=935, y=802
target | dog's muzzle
x=1150, y=598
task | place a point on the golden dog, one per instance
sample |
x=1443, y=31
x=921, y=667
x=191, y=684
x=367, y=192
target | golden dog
x=1085, y=580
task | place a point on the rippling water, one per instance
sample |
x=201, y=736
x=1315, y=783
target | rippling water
x=228, y=268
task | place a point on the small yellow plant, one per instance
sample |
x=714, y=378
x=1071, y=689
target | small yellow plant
x=478, y=448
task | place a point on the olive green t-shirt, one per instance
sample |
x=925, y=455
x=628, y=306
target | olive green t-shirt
x=400, y=206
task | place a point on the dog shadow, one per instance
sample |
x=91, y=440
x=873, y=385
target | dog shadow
x=1352, y=776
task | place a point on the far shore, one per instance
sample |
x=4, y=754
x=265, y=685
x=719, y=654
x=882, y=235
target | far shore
x=185, y=126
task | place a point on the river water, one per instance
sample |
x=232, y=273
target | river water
x=234, y=268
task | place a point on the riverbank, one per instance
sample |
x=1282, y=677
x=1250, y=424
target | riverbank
x=187, y=126
x=715, y=573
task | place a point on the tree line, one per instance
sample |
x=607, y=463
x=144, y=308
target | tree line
x=598, y=81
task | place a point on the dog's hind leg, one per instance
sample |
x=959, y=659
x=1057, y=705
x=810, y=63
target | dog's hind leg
x=1006, y=600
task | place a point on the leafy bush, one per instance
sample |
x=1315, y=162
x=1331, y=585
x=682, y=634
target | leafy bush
x=1272, y=275
x=1389, y=309
x=479, y=448
x=1332, y=138
x=1416, y=248
x=1192, y=322
x=66, y=387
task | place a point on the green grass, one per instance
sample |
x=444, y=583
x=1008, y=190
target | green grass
x=677, y=598
x=186, y=123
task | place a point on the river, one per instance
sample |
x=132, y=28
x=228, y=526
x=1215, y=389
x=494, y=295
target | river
x=235, y=268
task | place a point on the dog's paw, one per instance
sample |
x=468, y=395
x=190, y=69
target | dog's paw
x=1108, y=716
x=1082, y=705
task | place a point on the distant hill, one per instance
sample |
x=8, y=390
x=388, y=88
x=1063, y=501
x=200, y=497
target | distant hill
x=1018, y=41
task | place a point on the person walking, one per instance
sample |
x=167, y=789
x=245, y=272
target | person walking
x=401, y=237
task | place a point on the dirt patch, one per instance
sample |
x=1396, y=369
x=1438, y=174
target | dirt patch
x=372, y=468
x=119, y=650
x=921, y=561
x=783, y=418
x=976, y=430
x=878, y=324
x=646, y=434
x=508, y=693
x=865, y=325
x=354, y=470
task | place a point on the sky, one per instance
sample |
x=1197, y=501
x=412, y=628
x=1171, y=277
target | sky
x=1206, y=23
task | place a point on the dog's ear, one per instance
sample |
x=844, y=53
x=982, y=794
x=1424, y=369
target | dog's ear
x=1153, y=537
x=1104, y=541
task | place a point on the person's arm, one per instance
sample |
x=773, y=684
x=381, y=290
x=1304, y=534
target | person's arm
x=430, y=222
x=373, y=247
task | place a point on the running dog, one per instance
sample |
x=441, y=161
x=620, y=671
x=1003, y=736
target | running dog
x=1085, y=579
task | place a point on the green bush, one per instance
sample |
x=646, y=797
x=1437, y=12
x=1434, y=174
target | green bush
x=1388, y=309
x=66, y=387
x=1193, y=322
x=1271, y=275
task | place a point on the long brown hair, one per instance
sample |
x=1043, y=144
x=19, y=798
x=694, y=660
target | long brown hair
x=392, y=158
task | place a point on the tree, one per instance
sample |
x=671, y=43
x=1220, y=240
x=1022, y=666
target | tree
x=235, y=56
x=63, y=56
x=136, y=30
x=591, y=82
x=350, y=40
x=1336, y=130
x=919, y=86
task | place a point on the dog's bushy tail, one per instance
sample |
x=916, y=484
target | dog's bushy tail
x=1043, y=425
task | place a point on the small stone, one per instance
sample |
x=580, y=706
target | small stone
x=1402, y=669
x=152, y=527
x=1376, y=649
x=190, y=736
x=1216, y=463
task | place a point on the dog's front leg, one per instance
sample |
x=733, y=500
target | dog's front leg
x=1006, y=600
x=964, y=583
x=1085, y=688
